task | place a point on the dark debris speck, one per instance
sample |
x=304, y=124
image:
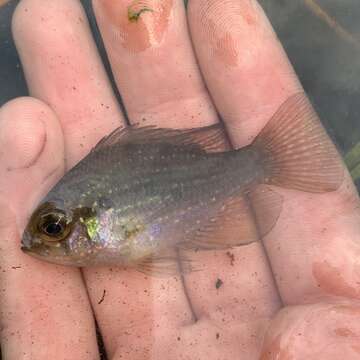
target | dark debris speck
x=219, y=283
x=102, y=297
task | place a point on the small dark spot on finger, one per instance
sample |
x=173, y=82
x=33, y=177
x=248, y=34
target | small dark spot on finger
x=218, y=283
x=102, y=297
x=231, y=256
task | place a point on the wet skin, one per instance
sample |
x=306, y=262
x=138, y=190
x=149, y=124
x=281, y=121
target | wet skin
x=309, y=260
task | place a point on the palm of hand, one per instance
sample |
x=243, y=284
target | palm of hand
x=309, y=260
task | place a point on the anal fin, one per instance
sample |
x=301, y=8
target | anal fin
x=166, y=263
x=267, y=206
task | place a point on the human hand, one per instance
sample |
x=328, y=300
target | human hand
x=293, y=295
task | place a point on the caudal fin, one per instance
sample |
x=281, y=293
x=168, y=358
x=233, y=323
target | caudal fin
x=298, y=153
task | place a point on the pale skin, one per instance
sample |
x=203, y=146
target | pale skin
x=293, y=295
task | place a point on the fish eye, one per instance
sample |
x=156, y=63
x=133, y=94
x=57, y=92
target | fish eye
x=53, y=226
x=53, y=229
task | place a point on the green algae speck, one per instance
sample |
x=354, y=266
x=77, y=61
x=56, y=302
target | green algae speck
x=133, y=15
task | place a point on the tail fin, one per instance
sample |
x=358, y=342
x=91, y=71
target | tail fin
x=297, y=150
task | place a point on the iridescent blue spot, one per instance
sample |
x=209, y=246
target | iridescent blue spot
x=155, y=230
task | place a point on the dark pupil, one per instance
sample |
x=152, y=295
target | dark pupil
x=53, y=225
x=53, y=229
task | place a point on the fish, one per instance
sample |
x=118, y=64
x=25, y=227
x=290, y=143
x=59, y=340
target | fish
x=144, y=194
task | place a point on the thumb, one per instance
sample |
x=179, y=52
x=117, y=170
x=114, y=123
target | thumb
x=43, y=307
x=31, y=153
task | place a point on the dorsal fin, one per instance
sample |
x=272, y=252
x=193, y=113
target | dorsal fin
x=209, y=138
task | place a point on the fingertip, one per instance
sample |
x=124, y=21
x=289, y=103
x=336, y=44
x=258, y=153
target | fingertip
x=27, y=126
x=62, y=67
x=330, y=328
x=37, y=31
x=22, y=135
x=245, y=67
x=31, y=11
x=31, y=152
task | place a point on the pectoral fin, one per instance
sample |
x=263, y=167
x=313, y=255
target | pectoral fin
x=232, y=225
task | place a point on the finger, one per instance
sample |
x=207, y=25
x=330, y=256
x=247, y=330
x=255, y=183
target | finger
x=44, y=309
x=314, y=246
x=162, y=308
x=303, y=332
x=167, y=92
x=153, y=62
x=241, y=57
x=62, y=67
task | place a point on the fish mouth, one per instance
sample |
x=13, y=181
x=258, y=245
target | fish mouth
x=26, y=241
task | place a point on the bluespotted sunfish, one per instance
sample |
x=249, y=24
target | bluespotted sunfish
x=144, y=192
